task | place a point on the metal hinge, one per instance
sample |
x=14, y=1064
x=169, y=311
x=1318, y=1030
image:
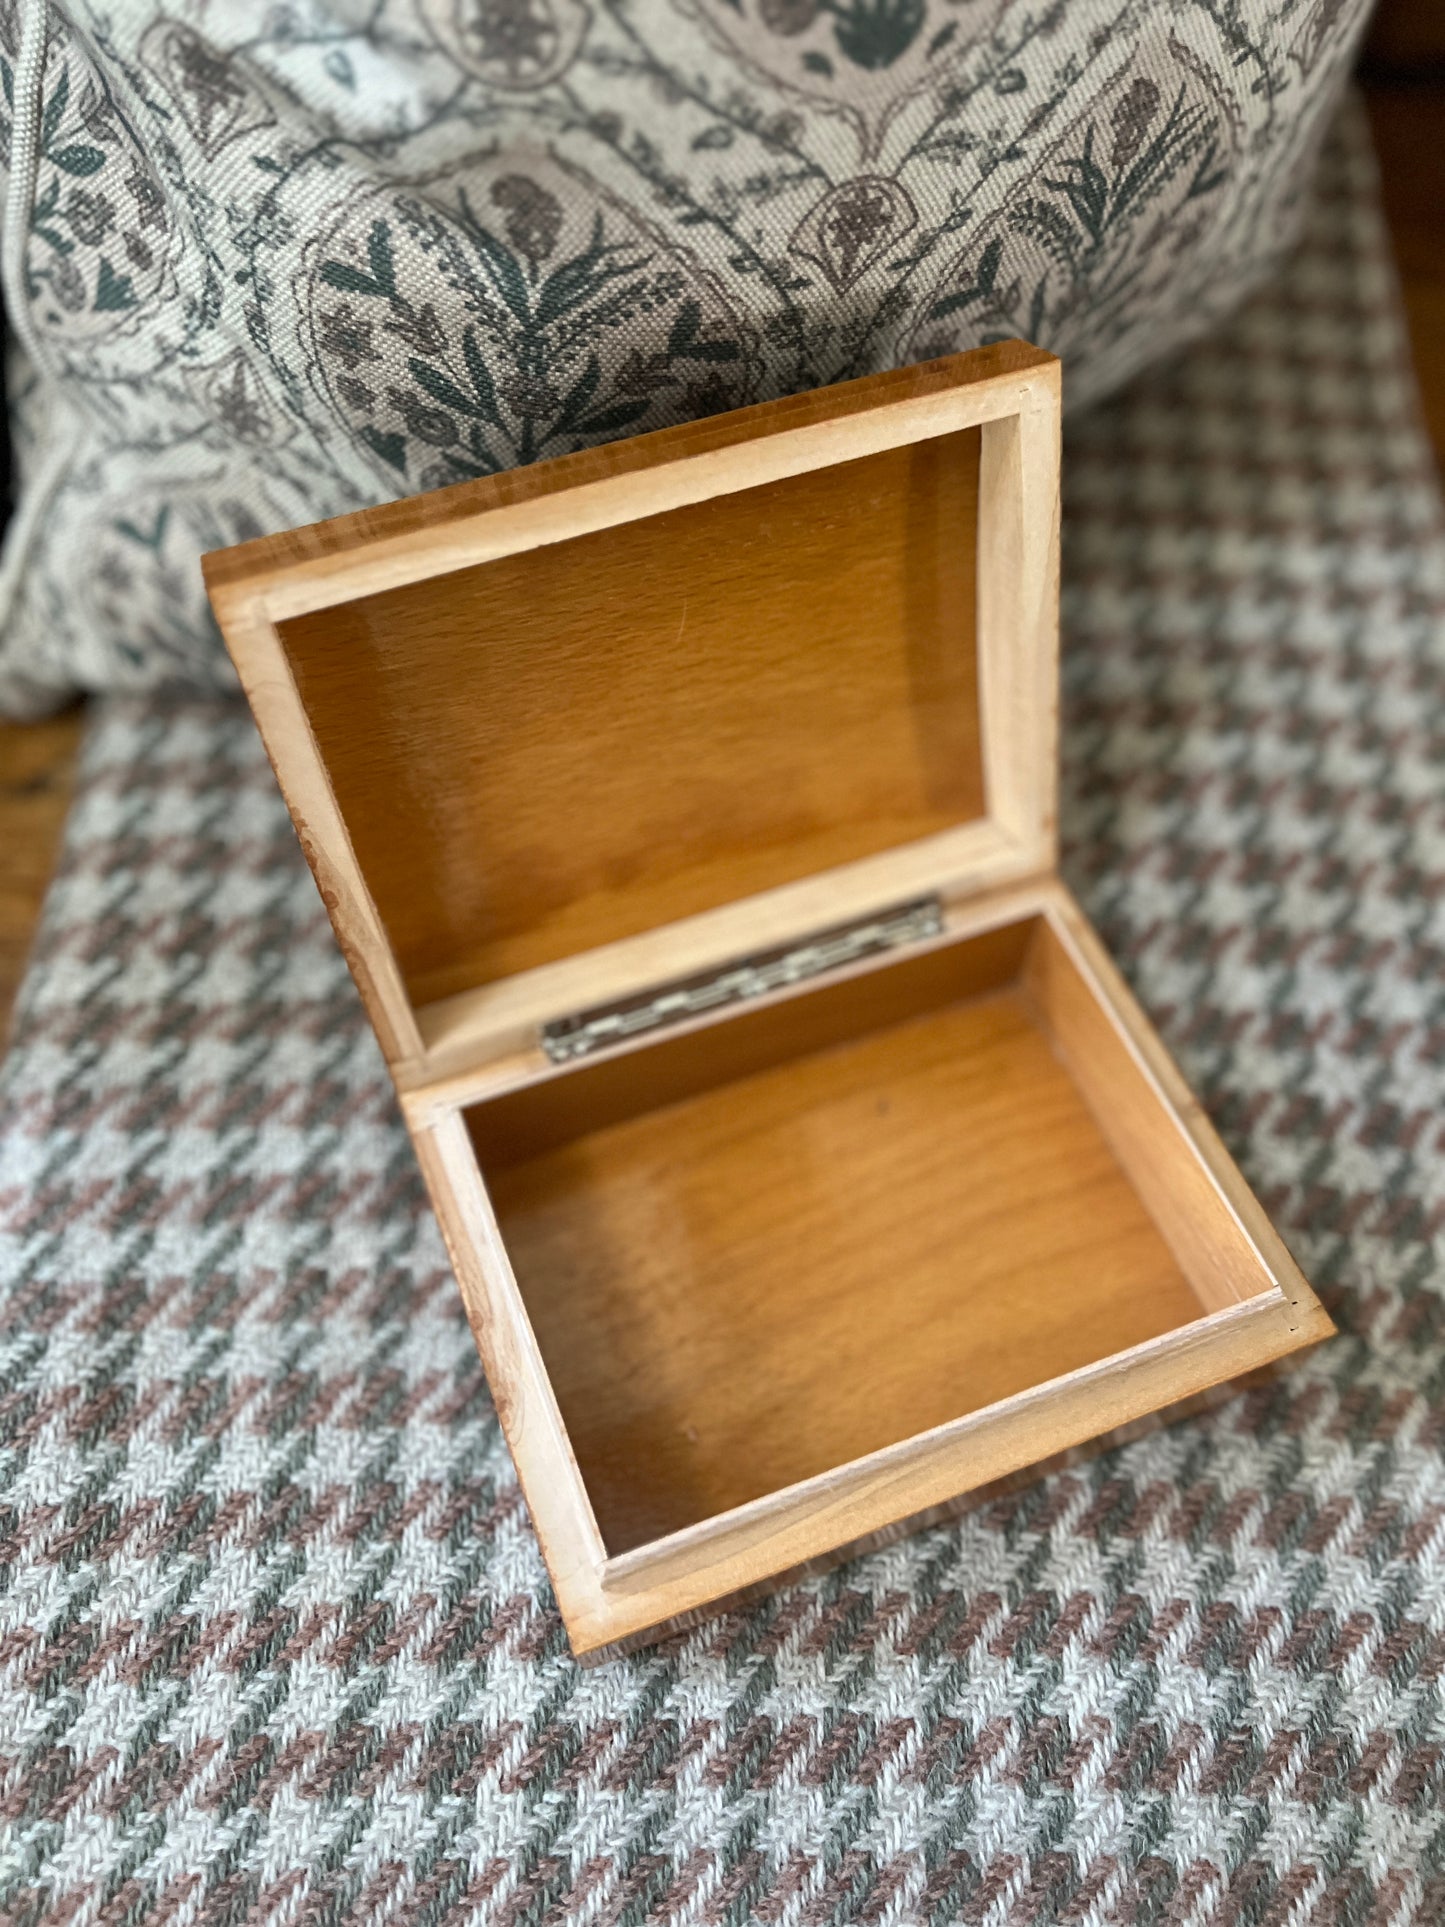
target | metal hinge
x=608, y=1024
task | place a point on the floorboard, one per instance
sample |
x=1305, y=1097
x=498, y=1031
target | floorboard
x=37, y=774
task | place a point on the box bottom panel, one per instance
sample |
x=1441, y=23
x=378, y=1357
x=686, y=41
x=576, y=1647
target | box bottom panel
x=777, y=1274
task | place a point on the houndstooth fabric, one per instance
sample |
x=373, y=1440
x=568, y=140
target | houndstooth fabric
x=277, y=1644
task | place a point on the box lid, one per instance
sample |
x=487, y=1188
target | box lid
x=573, y=731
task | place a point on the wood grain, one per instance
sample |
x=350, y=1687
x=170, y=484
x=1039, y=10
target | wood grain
x=1194, y=1216
x=302, y=585
x=549, y=752
x=789, y=1270
x=418, y=536
x=932, y=1515
x=37, y=777
x=542, y=1107
x=649, y=1588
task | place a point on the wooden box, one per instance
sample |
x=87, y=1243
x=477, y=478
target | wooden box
x=685, y=810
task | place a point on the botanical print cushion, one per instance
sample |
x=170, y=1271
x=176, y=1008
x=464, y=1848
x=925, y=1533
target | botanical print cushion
x=267, y=264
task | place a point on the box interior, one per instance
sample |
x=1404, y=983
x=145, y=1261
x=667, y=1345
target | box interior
x=771, y=1245
x=542, y=754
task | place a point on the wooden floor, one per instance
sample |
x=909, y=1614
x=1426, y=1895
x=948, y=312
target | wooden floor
x=37, y=762
x=1408, y=122
x=37, y=770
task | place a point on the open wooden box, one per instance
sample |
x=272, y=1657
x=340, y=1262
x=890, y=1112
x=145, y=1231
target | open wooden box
x=685, y=809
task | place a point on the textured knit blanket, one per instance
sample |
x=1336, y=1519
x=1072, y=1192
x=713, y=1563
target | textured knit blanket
x=276, y=1643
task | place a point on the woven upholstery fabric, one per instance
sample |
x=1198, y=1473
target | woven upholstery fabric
x=276, y=1643
x=267, y=264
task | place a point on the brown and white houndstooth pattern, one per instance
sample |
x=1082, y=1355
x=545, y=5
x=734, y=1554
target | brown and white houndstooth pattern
x=276, y=1644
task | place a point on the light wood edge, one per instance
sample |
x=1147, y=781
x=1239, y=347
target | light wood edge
x=300, y=771
x=610, y=1603
x=403, y=516
x=644, y=1589
x=521, y=1389
x=1018, y=619
x=1309, y=1319
x=1018, y=645
x=607, y=1601
x=1208, y=1400
x=966, y=915
x=466, y=1033
x=1018, y=629
x=295, y=587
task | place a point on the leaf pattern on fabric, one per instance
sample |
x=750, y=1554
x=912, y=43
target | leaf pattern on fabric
x=514, y=45
x=1125, y=208
x=101, y=252
x=512, y=313
x=282, y=263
